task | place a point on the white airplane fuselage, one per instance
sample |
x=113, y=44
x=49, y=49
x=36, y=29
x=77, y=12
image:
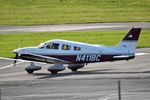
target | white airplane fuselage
x=87, y=54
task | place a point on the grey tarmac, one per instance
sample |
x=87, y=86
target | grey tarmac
x=97, y=81
x=74, y=27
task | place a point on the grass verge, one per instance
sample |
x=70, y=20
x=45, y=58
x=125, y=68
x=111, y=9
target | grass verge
x=34, y=12
x=8, y=42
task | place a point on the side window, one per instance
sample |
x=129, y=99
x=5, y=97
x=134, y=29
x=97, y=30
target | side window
x=52, y=46
x=66, y=47
x=77, y=48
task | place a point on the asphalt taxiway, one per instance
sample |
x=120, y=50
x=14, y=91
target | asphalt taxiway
x=74, y=27
x=96, y=81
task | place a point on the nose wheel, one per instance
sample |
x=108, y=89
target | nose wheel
x=32, y=67
x=74, y=69
x=30, y=71
x=54, y=72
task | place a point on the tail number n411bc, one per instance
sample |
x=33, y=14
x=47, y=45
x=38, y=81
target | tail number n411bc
x=88, y=58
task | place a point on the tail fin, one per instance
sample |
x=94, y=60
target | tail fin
x=133, y=34
x=128, y=44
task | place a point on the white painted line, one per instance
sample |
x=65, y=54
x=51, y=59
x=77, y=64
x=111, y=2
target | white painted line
x=56, y=95
x=11, y=59
x=9, y=65
x=108, y=97
x=115, y=95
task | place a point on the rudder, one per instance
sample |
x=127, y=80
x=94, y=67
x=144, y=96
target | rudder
x=129, y=42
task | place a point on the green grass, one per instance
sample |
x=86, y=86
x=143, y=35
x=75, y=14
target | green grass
x=33, y=12
x=8, y=42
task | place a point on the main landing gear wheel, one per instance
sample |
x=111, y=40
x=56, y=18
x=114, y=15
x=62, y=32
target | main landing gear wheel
x=30, y=71
x=54, y=72
x=56, y=68
x=74, y=69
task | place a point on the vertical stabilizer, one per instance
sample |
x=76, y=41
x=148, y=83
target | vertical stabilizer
x=129, y=42
x=132, y=35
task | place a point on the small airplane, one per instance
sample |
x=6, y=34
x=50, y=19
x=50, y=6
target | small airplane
x=76, y=54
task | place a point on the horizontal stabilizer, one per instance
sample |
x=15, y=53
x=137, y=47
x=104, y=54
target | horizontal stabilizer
x=123, y=56
x=141, y=54
x=128, y=56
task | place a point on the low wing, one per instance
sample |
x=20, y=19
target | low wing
x=46, y=59
x=38, y=59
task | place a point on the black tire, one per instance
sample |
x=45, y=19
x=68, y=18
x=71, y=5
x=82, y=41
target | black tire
x=30, y=71
x=54, y=72
x=74, y=69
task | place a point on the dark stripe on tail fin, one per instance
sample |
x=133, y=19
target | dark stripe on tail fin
x=133, y=34
x=129, y=42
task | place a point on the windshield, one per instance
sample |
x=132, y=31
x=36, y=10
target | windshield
x=49, y=45
x=42, y=45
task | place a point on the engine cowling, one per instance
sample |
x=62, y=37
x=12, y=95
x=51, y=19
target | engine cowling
x=75, y=67
x=32, y=67
x=56, y=68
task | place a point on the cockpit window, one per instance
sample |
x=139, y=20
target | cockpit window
x=41, y=46
x=51, y=45
x=77, y=48
x=66, y=47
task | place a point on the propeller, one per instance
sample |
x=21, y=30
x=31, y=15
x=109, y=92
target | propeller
x=15, y=61
x=17, y=56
